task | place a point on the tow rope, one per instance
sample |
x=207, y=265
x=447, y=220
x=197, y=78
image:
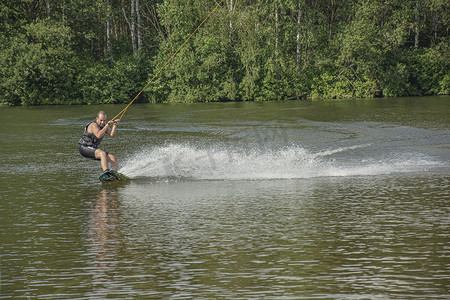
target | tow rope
x=121, y=113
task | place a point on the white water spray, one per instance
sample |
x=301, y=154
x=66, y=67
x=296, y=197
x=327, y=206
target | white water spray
x=220, y=163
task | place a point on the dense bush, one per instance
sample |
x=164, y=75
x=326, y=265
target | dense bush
x=59, y=53
x=36, y=65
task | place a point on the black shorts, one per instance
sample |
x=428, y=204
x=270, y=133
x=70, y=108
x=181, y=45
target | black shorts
x=88, y=152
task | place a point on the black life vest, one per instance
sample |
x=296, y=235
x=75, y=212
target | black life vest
x=89, y=139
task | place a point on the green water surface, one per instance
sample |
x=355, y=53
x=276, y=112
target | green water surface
x=332, y=199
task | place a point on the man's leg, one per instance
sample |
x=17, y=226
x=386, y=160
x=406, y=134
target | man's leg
x=112, y=159
x=100, y=154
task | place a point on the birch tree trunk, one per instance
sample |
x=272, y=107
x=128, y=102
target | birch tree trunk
x=48, y=9
x=331, y=13
x=139, y=34
x=416, y=33
x=133, y=26
x=231, y=9
x=299, y=46
x=108, y=49
x=277, y=36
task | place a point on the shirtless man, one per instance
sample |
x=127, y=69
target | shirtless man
x=89, y=144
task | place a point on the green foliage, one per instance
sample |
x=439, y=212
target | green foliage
x=115, y=82
x=432, y=70
x=36, y=65
x=248, y=50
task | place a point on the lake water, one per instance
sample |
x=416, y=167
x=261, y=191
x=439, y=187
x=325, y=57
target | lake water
x=332, y=199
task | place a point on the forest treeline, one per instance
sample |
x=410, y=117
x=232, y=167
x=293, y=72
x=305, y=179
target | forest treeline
x=105, y=51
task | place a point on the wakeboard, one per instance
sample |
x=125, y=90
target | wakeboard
x=112, y=176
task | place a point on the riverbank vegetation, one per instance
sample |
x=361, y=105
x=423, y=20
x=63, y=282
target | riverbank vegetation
x=90, y=51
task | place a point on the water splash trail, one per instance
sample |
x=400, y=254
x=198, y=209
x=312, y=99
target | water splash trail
x=338, y=150
x=221, y=163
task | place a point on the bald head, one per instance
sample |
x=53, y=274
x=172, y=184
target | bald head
x=101, y=118
x=101, y=113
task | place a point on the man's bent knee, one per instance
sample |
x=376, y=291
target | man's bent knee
x=101, y=154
